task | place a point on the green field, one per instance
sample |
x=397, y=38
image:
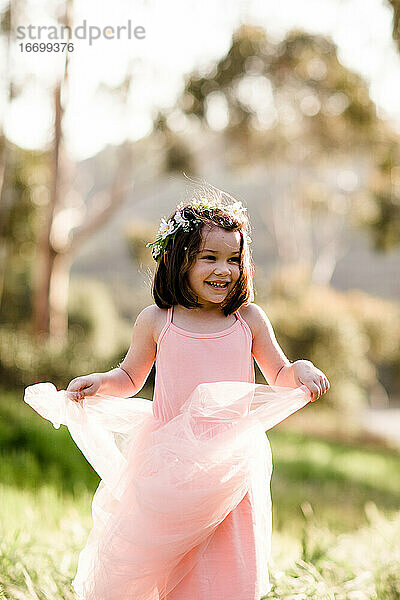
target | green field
x=336, y=513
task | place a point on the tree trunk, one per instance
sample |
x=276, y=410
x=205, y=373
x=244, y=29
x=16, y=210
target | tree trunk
x=55, y=255
x=58, y=297
x=5, y=150
x=47, y=254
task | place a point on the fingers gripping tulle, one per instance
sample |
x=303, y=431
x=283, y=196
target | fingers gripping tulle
x=101, y=426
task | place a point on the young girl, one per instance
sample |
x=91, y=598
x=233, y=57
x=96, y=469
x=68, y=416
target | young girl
x=183, y=511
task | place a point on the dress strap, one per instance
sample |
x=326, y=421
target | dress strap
x=244, y=324
x=167, y=324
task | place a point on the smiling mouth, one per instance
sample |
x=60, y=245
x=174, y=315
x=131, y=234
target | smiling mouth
x=218, y=286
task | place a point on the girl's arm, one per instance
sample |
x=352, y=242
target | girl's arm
x=268, y=354
x=274, y=365
x=129, y=378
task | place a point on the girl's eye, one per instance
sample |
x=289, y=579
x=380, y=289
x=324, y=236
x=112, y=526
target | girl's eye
x=234, y=258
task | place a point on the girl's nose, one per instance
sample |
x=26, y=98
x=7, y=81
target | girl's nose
x=221, y=269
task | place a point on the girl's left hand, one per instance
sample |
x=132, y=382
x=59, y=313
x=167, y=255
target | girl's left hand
x=306, y=373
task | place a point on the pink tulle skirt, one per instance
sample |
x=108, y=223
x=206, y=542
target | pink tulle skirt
x=165, y=486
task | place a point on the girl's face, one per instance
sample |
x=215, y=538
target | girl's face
x=216, y=267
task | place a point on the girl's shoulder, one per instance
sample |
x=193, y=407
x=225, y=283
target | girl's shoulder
x=253, y=315
x=159, y=319
x=151, y=319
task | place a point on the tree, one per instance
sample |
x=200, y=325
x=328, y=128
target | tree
x=47, y=213
x=57, y=244
x=6, y=22
x=177, y=155
x=284, y=97
x=293, y=103
x=395, y=4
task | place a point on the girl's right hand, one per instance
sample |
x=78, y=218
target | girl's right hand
x=87, y=385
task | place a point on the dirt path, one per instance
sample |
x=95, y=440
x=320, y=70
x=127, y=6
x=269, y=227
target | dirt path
x=384, y=422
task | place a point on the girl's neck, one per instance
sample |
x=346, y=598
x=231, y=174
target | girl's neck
x=189, y=318
x=200, y=312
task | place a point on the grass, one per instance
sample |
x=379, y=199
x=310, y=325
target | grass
x=41, y=534
x=336, y=518
x=336, y=479
x=359, y=565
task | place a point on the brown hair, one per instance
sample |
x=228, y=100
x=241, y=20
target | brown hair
x=170, y=283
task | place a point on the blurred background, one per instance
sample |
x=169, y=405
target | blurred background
x=294, y=109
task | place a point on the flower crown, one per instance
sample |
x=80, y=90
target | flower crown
x=167, y=229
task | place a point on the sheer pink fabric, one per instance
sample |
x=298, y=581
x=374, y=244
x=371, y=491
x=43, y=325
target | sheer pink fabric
x=183, y=507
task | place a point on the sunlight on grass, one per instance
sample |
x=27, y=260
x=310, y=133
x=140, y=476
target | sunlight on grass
x=362, y=565
x=304, y=457
x=43, y=532
x=336, y=519
x=41, y=535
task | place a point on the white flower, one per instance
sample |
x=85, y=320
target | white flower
x=181, y=221
x=186, y=224
x=234, y=209
x=203, y=204
x=166, y=228
x=156, y=251
x=237, y=208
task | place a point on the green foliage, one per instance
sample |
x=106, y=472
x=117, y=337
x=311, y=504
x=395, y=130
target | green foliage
x=380, y=320
x=349, y=336
x=177, y=157
x=312, y=469
x=97, y=340
x=137, y=234
x=330, y=103
x=91, y=310
x=34, y=452
x=293, y=101
x=384, y=221
x=5, y=18
x=396, y=20
x=20, y=223
x=24, y=361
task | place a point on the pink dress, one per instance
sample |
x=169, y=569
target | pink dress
x=234, y=564
x=183, y=510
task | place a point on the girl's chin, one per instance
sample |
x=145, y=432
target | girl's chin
x=218, y=295
x=214, y=297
